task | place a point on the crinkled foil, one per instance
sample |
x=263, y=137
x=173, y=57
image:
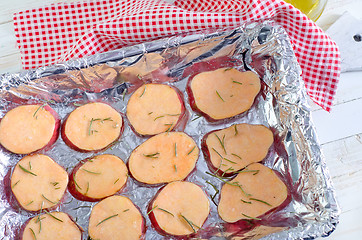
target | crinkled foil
x=262, y=47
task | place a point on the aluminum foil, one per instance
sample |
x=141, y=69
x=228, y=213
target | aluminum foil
x=262, y=47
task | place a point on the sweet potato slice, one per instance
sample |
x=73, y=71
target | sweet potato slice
x=223, y=93
x=54, y=225
x=92, y=127
x=231, y=149
x=29, y=128
x=98, y=177
x=38, y=182
x=180, y=208
x=116, y=218
x=164, y=158
x=255, y=191
x=155, y=108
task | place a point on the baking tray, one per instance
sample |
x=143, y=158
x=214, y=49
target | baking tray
x=262, y=47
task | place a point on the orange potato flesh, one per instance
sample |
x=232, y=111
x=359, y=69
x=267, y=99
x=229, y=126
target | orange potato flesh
x=62, y=228
x=26, y=129
x=225, y=92
x=101, y=176
x=244, y=144
x=154, y=108
x=93, y=126
x=42, y=191
x=260, y=183
x=115, y=218
x=164, y=158
x=177, y=201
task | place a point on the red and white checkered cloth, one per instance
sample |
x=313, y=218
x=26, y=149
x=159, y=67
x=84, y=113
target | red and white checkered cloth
x=63, y=31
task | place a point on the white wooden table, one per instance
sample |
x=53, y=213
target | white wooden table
x=340, y=132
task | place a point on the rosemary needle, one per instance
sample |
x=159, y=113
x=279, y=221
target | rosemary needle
x=33, y=233
x=91, y=171
x=221, y=142
x=250, y=217
x=166, y=211
x=219, y=96
x=116, y=181
x=144, y=90
x=175, y=167
x=152, y=209
x=190, y=223
x=48, y=199
x=237, y=82
x=258, y=200
x=60, y=220
x=236, y=130
x=154, y=155
x=236, y=156
x=15, y=184
x=175, y=150
x=26, y=170
x=191, y=150
x=115, y=215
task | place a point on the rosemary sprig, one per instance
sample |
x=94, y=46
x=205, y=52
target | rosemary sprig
x=15, y=184
x=191, y=150
x=33, y=233
x=258, y=200
x=219, y=96
x=40, y=107
x=175, y=150
x=152, y=209
x=116, y=181
x=175, y=167
x=198, y=116
x=48, y=199
x=236, y=130
x=190, y=223
x=144, y=90
x=158, y=117
x=236, y=156
x=26, y=170
x=216, y=192
x=60, y=220
x=115, y=215
x=166, y=211
x=245, y=201
x=97, y=173
x=221, y=142
x=250, y=217
x=238, y=82
x=90, y=131
x=236, y=184
x=153, y=155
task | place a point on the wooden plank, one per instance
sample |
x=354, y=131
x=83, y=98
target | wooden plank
x=344, y=158
x=343, y=121
x=7, y=40
x=10, y=64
